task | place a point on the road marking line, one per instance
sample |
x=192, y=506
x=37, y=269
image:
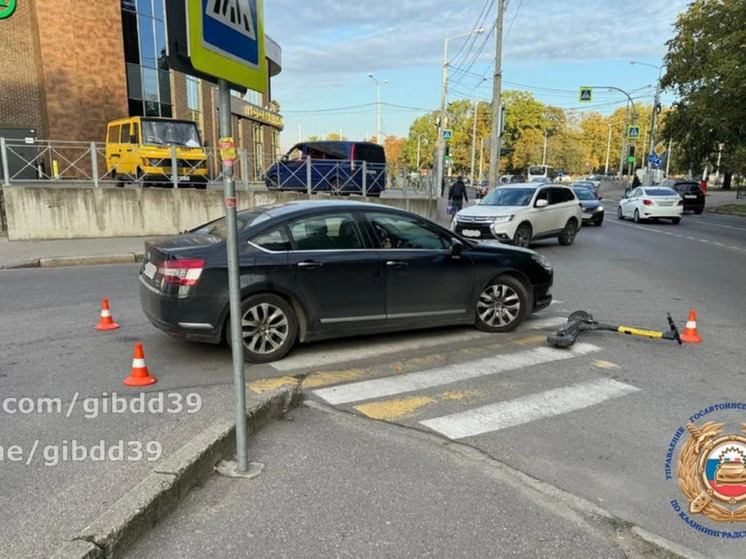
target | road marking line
x=706, y=224
x=703, y=241
x=325, y=378
x=510, y=413
x=691, y=238
x=605, y=364
x=410, y=382
x=389, y=410
x=719, y=244
x=265, y=384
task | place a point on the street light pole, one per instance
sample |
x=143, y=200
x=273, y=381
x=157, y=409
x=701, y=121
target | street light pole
x=608, y=150
x=544, y=157
x=378, y=106
x=440, y=151
x=474, y=133
x=496, y=135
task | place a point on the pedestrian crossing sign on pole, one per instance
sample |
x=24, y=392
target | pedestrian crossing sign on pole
x=633, y=133
x=586, y=95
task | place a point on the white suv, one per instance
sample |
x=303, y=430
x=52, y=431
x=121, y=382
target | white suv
x=520, y=213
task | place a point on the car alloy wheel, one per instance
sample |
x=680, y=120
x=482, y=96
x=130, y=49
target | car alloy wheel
x=522, y=237
x=637, y=217
x=268, y=328
x=619, y=214
x=568, y=233
x=502, y=305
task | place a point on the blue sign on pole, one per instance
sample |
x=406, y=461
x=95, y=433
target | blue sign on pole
x=560, y=173
x=655, y=160
x=447, y=134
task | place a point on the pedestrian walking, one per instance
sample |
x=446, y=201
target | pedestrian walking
x=457, y=195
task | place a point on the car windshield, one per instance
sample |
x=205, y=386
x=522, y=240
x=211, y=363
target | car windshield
x=660, y=192
x=217, y=228
x=165, y=133
x=509, y=197
x=584, y=194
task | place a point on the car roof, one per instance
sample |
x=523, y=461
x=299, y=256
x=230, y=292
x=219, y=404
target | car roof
x=301, y=207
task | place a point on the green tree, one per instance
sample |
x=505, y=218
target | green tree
x=704, y=67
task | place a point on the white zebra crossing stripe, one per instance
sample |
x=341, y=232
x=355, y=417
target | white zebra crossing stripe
x=389, y=386
x=510, y=413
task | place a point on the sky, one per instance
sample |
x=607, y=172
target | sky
x=550, y=48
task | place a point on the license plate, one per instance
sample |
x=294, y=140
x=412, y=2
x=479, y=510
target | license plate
x=149, y=270
x=690, y=196
x=471, y=233
x=186, y=178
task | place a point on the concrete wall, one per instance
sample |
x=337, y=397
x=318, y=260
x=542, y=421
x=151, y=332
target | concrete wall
x=77, y=213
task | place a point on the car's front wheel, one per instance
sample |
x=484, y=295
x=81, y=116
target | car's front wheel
x=522, y=237
x=502, y=305
x=268, y=328
x=568, y=233
x=598, y=221
x=619, y=213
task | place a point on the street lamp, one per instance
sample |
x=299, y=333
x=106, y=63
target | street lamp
x=378, y=105
x=419, y=137
x=648, y=166
x=443, y=88
x=474, y=133
x=608, y=150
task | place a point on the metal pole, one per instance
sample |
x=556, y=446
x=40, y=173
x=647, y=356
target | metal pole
x=378, y=113
x=608, y=150
x=473, y=141
x=440, y=150
x=94, y=164
x=496, y=136
x=655, y=111
x=481, y=157
x=544, y=157
x=245, y=168
x=4, y=157
x=175, y=163
x=622, y=157
x=365, y=178
x=234, y=292
x=308, y=176
x=668, y=157
x=418, y=154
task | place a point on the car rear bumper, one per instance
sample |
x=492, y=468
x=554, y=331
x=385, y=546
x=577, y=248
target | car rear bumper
x=673, y=211
x=182, y=318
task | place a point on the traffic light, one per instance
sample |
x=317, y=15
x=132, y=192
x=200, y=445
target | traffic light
x=631, y=151
x=448, y=152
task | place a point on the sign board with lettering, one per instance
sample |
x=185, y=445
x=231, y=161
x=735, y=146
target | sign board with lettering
x=226, y=40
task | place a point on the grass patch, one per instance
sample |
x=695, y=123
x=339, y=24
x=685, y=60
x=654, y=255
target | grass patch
x=730, y=209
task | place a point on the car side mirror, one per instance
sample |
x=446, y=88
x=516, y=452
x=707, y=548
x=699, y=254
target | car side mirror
x=457, y=247
x=542, y=203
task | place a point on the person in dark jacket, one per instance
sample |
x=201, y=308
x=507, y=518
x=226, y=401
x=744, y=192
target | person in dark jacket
x=457, y=194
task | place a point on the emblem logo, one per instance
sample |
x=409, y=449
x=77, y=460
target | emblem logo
x=712, y=472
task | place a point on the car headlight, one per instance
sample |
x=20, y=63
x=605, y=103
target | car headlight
x=600, y=209
x=542, y=260
x=502, y=219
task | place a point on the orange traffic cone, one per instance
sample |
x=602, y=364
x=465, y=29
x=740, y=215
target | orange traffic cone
x=690, y=332
x=139, y=375
x=106, y=322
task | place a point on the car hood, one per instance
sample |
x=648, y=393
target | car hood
x=585, y=204
x=489, y=211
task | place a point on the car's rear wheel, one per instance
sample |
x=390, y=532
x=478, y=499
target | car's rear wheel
x=699, y=211
x=637, y=217
x=619, y=214
x=502, y=305
x=568, y=233
x=675, y=220
x=269, y=328
x=522, y=237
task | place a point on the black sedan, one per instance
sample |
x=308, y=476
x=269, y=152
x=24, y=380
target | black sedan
x=690, y=192
x=593, y=211
x=328, y=269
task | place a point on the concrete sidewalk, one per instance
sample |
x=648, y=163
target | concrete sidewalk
x=70, y=252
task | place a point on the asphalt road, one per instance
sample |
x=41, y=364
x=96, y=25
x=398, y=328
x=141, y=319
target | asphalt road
x=616, y=401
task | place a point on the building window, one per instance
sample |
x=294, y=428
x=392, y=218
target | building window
x=192, y=91
x=148, y=77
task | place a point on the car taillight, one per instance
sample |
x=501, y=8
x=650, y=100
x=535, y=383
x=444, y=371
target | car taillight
x=182, y=272
x=681, y=203
x=647, y=202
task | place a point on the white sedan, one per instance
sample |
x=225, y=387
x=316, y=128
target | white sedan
x=651, y=202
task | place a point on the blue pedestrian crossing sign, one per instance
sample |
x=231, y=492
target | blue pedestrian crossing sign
x=447, y=135
x=633, y=133
x=226, y=40
x=585, y=95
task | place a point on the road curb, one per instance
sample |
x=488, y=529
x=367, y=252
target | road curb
x=91, y=260
x=159, y=493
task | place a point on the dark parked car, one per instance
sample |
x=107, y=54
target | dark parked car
x=339, y=167
x=593, y=211
x=324, y=269
x=690, y=192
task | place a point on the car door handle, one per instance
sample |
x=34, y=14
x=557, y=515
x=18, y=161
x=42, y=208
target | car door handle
x=310, y=264
x=396, y=263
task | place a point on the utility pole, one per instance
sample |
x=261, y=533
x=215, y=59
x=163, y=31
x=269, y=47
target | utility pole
x=496, y=136
x=473, y=139
x=668, y=156
x=608, y=150
x=544, y=157
x=623, y=156
x=481, y=157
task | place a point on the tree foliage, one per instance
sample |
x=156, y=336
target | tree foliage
x=705, y=67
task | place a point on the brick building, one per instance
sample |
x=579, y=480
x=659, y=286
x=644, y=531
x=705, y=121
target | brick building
x=68, y=67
